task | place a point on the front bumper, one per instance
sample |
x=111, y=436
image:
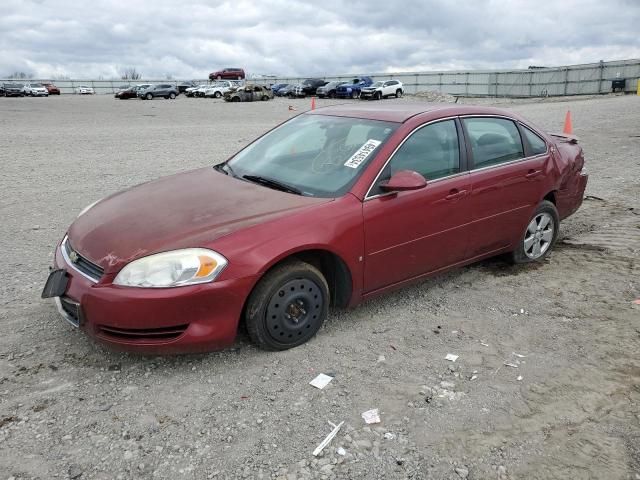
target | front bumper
x=189, y=319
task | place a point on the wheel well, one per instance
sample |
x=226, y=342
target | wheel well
x=333, y=268
x=551, y=197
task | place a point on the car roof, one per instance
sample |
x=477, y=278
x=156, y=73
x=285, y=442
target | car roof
x=401, y=112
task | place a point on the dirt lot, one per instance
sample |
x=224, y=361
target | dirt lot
x=72, y=409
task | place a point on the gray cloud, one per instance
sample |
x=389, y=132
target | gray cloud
x=189, y=39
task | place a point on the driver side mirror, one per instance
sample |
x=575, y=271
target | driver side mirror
x=404, y=180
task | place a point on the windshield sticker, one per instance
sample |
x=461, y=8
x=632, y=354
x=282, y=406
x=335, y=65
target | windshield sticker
x=363, y=152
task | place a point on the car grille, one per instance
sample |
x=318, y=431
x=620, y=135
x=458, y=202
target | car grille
x=84, y=266
x=142, y=334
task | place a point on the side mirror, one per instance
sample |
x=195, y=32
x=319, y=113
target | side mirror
x=404, y=180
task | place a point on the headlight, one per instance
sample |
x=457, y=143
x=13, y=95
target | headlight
x=173, y=269
x=87, y=208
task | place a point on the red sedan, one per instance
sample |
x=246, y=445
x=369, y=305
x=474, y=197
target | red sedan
x=330, y=208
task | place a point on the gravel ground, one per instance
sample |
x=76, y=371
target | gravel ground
x=571, y=409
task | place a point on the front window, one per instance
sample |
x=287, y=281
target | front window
x=314, y=154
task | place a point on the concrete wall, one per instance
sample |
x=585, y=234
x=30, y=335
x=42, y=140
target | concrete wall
x=584, y=79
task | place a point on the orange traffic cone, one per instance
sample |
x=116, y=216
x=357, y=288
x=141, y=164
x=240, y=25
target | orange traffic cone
x=568, y=127
x=313, y=103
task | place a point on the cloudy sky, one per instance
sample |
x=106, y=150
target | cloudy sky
x=189, y=38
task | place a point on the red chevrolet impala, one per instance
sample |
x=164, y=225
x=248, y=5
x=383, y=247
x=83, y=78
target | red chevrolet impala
x=330, y=208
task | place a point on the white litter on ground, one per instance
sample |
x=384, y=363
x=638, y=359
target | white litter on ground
x=371, y=416
x=321, y=381
x=451, y=357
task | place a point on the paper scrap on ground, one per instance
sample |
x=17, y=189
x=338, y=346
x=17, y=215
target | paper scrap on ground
x=371, y=416
x=451, y=357
x=512, y=365
x=321, y=381
x=519, y=378
x=519, y=355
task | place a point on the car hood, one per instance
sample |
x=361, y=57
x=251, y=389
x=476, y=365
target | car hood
x=185, y=210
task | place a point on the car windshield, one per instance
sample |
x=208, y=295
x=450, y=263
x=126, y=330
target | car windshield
x=316, y=155
x=36, y=85
x=377, y=84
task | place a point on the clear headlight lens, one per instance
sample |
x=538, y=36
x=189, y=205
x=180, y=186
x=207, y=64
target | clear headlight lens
x=173, y=269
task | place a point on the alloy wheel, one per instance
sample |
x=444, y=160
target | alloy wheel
x=539, y=235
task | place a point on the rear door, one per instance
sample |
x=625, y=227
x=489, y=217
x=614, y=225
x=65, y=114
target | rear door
x=507, y=182
x=408, y=234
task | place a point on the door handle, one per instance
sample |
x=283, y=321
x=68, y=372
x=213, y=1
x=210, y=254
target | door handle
x=455, y=193
x=533, y=173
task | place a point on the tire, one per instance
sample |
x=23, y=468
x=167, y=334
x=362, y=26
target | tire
x=149, y=96
x=539, y=235
x=355, y=94
x=378, y=96
x=219, y=77
x=398, y=93
x=235, y=99
x=217, y=95
x=332, y=94
x=297, y=295
x=172, y=96
x=265, y=98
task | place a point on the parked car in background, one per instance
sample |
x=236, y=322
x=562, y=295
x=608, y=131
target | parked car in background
x=352, y=89
x=35, y=90
x=12, y=90
x=249, y=93
x=191, y=91
x=277, y=86
x=382, y=89
x=310, y=85
x=132, y=91
x=219, y=88
x=51, y=88
x=284, y=90
x=84, y=90
x=328, y=90
x=228, y=74
x=409, y=192
x=162, y=90
x=182, y=86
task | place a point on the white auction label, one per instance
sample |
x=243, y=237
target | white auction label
x=363, y=152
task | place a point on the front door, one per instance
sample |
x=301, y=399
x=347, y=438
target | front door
x=408, y=234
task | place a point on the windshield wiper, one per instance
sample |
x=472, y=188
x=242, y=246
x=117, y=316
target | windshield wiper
x=271, y=183
x=226, y=169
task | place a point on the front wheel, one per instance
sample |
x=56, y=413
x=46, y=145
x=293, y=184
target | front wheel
x=378, y=96
x=539, y=236
x=355, y=94
x=217, y=94
x=149, y=96
x=288, y=306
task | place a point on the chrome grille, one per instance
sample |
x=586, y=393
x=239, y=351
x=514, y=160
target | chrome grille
x=89, y=269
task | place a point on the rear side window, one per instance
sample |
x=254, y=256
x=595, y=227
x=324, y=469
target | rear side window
x=493, y=141
x=536, y=143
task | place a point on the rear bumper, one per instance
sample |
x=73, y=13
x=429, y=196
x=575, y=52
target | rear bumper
x=570, y=198
x=189, y=319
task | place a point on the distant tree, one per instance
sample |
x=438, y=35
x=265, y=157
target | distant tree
x=19, y=76
x=61, y=77
x=131, y=74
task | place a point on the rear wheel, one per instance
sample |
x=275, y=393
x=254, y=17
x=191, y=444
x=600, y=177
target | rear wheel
x=539, y=236
x=288, y=306
x=217, y=94
x=265, y=98
x=398, y=93
x=172, y=96
x=355, y=94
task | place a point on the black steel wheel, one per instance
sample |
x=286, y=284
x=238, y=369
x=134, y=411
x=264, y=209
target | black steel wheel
x=288, y=306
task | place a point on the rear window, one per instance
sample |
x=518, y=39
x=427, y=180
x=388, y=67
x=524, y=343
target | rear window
x=537, y=144
x=493, y=141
